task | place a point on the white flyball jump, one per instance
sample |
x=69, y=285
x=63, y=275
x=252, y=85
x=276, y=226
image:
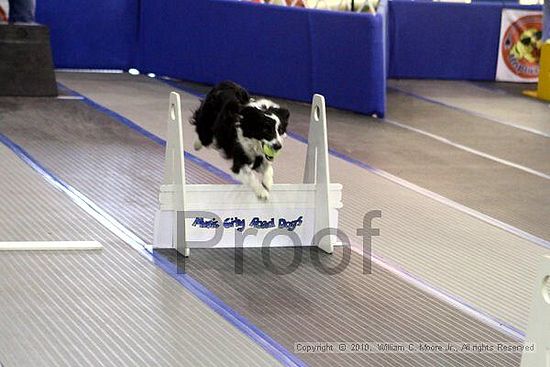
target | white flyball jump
x=538, y=329
x=213, y=216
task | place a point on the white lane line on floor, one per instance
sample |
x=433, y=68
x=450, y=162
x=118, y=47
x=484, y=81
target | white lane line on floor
x=70, y=97
x=49, y=245
x=90, y=71
x=477, y=114
x=468, y=149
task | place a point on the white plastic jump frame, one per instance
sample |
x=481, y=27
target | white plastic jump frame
x=295, y=209
x=538, y=329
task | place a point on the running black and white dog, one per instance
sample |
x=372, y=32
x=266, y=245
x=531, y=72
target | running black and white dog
x=242, y=129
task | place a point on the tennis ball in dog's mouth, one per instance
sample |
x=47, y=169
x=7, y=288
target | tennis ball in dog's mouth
x=269, y=152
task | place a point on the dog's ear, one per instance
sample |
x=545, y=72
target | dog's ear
x=243, y=96
x=233, y=107
x=285, y=114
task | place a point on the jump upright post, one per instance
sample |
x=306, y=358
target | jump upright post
x=538, y=329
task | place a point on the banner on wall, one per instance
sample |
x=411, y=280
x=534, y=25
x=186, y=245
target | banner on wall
x=520, y=46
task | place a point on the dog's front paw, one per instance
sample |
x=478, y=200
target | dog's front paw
x=267, y=184
x=262, y=194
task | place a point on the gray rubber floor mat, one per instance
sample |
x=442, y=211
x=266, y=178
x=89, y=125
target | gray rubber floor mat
x=502, y=192
x=111, y=307
x=65, y=133
x=526, y=113
x=308, y=305
x=451, y=249
x=76, y=142
x=505, y=142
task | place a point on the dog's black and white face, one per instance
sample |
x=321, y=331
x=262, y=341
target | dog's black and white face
x=265, y=121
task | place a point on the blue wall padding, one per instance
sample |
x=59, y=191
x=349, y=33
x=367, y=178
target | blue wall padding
x=171, y=37
x=443, y=40
x=272, y=50
x=265, y=48
x=348, y=60
x=279, y=51
x=91, y=34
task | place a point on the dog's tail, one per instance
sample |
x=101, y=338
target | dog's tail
x=195, y=117
x=203, y=119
